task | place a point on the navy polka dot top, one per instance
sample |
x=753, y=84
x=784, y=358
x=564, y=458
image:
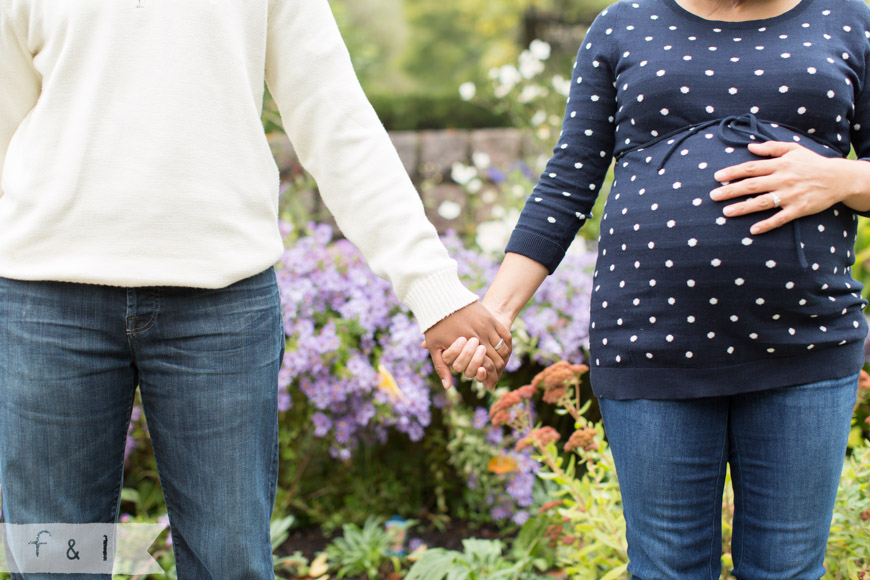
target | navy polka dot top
x=687, y=303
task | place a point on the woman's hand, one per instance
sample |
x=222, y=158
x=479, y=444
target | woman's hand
x=462, y=355
x=485, y=331
x=516, y=281
x=795, y=179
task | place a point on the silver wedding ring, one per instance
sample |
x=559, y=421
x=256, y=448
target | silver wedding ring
x=776, y=200
x=500, y=344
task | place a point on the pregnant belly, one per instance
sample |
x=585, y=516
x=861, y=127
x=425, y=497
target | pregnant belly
x=673, y=270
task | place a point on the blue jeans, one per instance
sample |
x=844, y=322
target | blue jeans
x=786, y=448
x=206, y=363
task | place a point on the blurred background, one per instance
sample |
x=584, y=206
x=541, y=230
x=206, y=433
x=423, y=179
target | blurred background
x=384, y=474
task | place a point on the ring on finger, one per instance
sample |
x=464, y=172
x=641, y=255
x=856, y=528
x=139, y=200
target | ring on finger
x=500, y=344
x=776, y=200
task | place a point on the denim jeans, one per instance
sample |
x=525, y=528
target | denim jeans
x=206, y=363
x=786, y=449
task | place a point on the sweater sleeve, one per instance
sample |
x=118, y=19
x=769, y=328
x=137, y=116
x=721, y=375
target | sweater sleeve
x=860, y=134
x=341, y=142
x=20, y=85
x=563, y=198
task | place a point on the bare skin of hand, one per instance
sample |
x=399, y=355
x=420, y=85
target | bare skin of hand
x=460, y=354
x=515, y=283
x=473, y=321
x=805, y=182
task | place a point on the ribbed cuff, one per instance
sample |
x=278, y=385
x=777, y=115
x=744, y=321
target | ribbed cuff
x=536, y=247
x=436, y=297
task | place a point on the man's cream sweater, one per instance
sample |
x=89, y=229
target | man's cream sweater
x=132, y=153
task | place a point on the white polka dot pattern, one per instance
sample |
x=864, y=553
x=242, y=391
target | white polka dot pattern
x=679, y=286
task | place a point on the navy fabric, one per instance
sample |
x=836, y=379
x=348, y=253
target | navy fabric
x=682, y=294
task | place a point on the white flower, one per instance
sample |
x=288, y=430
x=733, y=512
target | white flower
x=449, y=210
x=467, y=90
x=539, y=118
x=480, y=159
x=530, y=93
x=492, y=236
x=462, y=174
x=529, y=66
x=562, y=85
x=474, y=186
x=508, y=76
x=489, y=196
x=540, y=49
x=577, y=247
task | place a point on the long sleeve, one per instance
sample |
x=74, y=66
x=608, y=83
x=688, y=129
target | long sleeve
x=861, y=121
x=563, y=198
x=341, y=142
x=19, y=85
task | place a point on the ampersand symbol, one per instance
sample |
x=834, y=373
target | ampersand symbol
x=75, y=555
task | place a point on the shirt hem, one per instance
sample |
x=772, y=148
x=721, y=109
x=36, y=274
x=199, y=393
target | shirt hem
x=696, y=383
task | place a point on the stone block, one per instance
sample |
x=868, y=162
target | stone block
x=504, y=146
x=439, y=150
x=435, y=196
x=407, y=143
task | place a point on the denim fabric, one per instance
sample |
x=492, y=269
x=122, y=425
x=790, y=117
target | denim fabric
x=785, y=447
x=206, y=363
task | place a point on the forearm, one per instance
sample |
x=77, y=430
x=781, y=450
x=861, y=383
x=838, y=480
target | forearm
x=516, y=282
x=855, y=181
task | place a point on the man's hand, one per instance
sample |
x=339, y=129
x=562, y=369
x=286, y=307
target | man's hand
x=478, y=332
x=461, y=354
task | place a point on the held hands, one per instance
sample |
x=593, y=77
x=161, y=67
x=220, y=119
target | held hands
x=485, y=331
x=795, y=179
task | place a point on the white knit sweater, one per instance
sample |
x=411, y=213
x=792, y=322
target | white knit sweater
x=132, y=153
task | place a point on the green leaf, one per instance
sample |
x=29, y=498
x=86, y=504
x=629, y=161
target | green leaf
x=616, y=573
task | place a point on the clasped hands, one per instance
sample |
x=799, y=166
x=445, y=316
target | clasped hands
x=467, y=340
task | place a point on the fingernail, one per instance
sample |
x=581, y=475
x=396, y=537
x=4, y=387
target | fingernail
x=718, y=175
x=714, y=194
x=446, y=383
x=728, y=210
x=755, y=229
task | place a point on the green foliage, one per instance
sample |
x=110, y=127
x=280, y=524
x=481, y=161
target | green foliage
x=479, y=560
x=432, y=110
x=849, y=543
x=861, y=269
x=361, y=551
x=378, y=480
x=457, y=40
x=376, y=33
x=591, y=541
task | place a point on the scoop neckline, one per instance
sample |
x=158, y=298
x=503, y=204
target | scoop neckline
x=742, y=24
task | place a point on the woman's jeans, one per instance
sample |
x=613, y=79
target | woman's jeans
x=206, y=363
x=786, y=449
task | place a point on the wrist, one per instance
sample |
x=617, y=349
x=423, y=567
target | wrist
x=502, y=311
x=855, y=183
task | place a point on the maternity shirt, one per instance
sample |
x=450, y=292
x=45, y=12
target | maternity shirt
x=686, y=302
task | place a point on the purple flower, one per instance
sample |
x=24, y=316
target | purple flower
x=322, y=424
x=520, y=517
x=414, y=544
x=353, y=351
x=496, y=175
x=481, y=418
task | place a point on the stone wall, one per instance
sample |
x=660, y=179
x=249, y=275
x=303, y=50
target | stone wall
x=428, y=157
